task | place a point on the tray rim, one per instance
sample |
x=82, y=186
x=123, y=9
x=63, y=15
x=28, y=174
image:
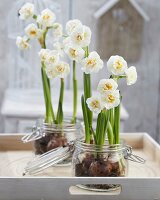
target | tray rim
x=140, y=134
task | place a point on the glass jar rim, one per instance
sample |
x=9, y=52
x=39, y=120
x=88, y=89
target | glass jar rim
x=80, y=143
x=67, y=124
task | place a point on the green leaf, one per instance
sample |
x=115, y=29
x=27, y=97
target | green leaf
x=47, y=96
x=88, y=94
x=85, y=117
x=59, y=118
x=110, y=134
x=112, y=117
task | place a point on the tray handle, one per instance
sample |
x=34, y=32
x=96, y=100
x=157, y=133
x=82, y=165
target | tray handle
x=80, y=189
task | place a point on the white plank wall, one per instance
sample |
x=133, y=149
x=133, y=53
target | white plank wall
x=140, y=100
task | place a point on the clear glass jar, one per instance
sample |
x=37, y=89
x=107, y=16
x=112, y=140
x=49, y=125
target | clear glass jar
x=99, y=161
x=56, y=135
x=90, y=160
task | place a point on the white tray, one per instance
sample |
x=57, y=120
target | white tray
x=56, y=183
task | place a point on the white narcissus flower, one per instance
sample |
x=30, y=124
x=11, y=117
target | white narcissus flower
x=51, y=72
x=57, y=31
x=62, y=69
x=75, y=53
x=72, y=25
x=22, y=43
x=92, y=63
x=43, y=53
x=32, y=31
x=67, y=41
x=81, y=36
x=111, y=99
x=117, y=65
x=106, y=85
x=52, y=57
x=59, y=48
x=46, y=19
x=27, y=11
x=131, y=75
x=94, y=104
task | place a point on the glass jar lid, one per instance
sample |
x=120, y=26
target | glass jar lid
x=46, y=160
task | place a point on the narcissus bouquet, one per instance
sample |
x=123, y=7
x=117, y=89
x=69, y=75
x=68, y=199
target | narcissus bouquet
x=74, y=41
x=107, y=103
x=71, y=42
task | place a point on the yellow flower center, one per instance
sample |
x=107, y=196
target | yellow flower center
x=25, y=44
x=49, y=72
x=118, y=64
x=91, y=62
x=111, y=98
x=108, y=86
x=95, y=104
x=60, y=68
x=79, y=37
x=73, y=52
x=52, y=59
x=27, y=11
x=46, y=17
x=33, y=32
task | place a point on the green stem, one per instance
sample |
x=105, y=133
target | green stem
x=59, y=118
x=87, y=92
x=47, y=95
x=117, y=124
x=75, y=94
x=49, y=117
x=112, y=117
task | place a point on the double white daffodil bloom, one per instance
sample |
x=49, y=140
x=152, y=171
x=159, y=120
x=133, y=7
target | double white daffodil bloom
x=59, y=47
x=32, y=31
x=131, y=75
x=22, y=43
x=26, y=11
x=51, y=72
x=71, y=25
x=92, y=63
x=57, y=31
x=52, y=57
x=107, y=85
x=116, y=65
x=94, y=104
x=81, y=36
x=49, y=57
x=110, y=99
x=46, y=19
x=75, y=53
x=43, y=54
x=61, y=70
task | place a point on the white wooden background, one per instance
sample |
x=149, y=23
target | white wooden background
x=141, y=100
